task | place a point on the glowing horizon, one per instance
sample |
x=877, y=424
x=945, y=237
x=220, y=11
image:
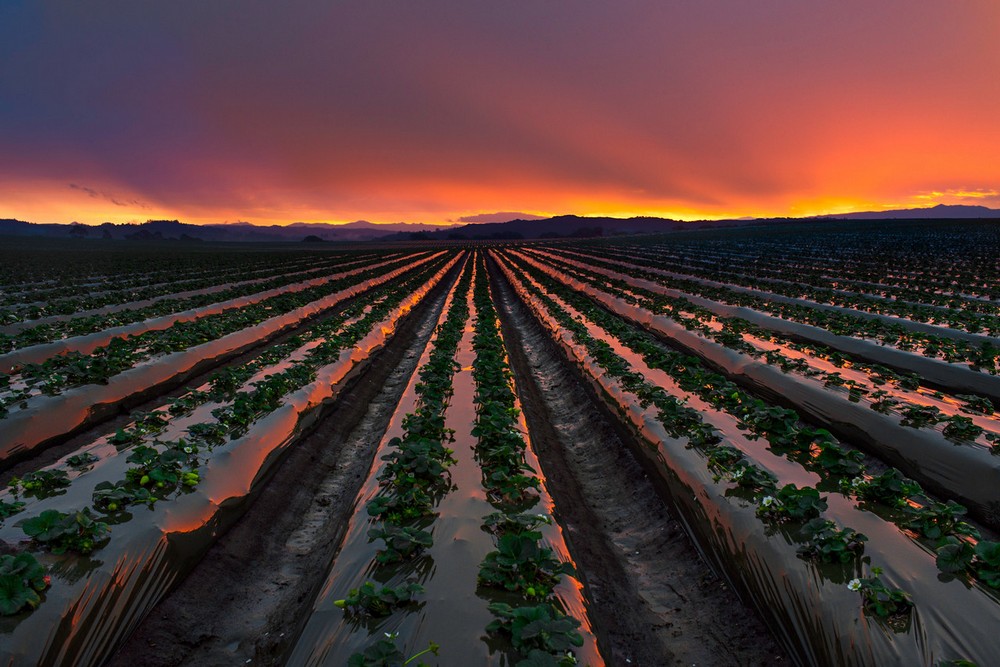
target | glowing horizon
x=393, y=113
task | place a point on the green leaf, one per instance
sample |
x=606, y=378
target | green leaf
x=45, y=527
x=15, y=595
x=954, y=555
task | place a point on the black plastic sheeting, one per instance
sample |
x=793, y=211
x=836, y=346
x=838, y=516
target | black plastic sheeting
x=48, y=418
x=969, y=473
x=12, y=361
x=452, y=611
x=957, y=378
x=792, y=283
x=808, y=606
x=132, y=305
x=95, y=602
x=912, y=325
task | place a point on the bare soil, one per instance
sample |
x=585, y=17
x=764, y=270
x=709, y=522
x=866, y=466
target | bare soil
x=241, y=602
x=654, y=600
x=50, y=453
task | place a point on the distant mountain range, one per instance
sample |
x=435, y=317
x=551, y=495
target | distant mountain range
x=153, y=230
x=563, y=226
x=939, y=212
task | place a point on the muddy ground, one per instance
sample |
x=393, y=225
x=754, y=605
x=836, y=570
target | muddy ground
x=653, y=599
x=240, y=604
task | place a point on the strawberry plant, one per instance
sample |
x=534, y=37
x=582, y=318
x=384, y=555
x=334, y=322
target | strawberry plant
x=889, y=488
x=879, y=599
x=750, y=476
x=22, y=578
x=501, y=523
x=937, y=520
x=421, y=462
x=10, y=509
x=405, y=503
x=791, y=502
x=61, y=532
x=163, y=470
x=961, y=429
x=187, y=402
x=976, y=404
x=828, y=544
x=983, y=559
x=41, y=483
x=521, y=564
x=721, y=458
x=114, y=497
x=81, y=461
x=919, y=416
x=212, y=434
x=883, y=403
x=987, y=563
x=836, y=459
x=384, y=653
x=401, y=542
x=375, y=600
x=538, y=628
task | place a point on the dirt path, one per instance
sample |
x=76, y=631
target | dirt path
x=655, y=600
x=241, y=603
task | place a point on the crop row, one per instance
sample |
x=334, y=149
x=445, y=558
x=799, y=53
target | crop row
x=734, y=267
x=63, y=303
x=944, y=361
x=450, y=466
x=976, y=317
x=33, y=275
x=956, y=259
x=780, y=350
x=537, y=625
x=412, y=482
x=968, y=473
x=979, y=351
x=791, y=511
x=74, y=408
x=171, y=491
x=79, y=325
x=74, y=369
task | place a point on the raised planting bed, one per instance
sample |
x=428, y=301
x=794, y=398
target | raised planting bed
x=959, y=378
x=14, y=361
x=815, y=608
x=95, y=600
x=451, y=609
x=71, y=410
x=84, y=319
x=969, y=474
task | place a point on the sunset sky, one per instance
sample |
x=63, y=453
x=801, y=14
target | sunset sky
x=276, y=112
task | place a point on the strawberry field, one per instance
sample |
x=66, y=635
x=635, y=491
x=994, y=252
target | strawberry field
x=753, y=446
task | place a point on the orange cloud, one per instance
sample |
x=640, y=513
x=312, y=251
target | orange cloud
x=318, y=112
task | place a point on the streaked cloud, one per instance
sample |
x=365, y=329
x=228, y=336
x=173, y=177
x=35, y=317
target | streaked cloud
x=116, y=200
x=430, y=112
x=939, y=196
